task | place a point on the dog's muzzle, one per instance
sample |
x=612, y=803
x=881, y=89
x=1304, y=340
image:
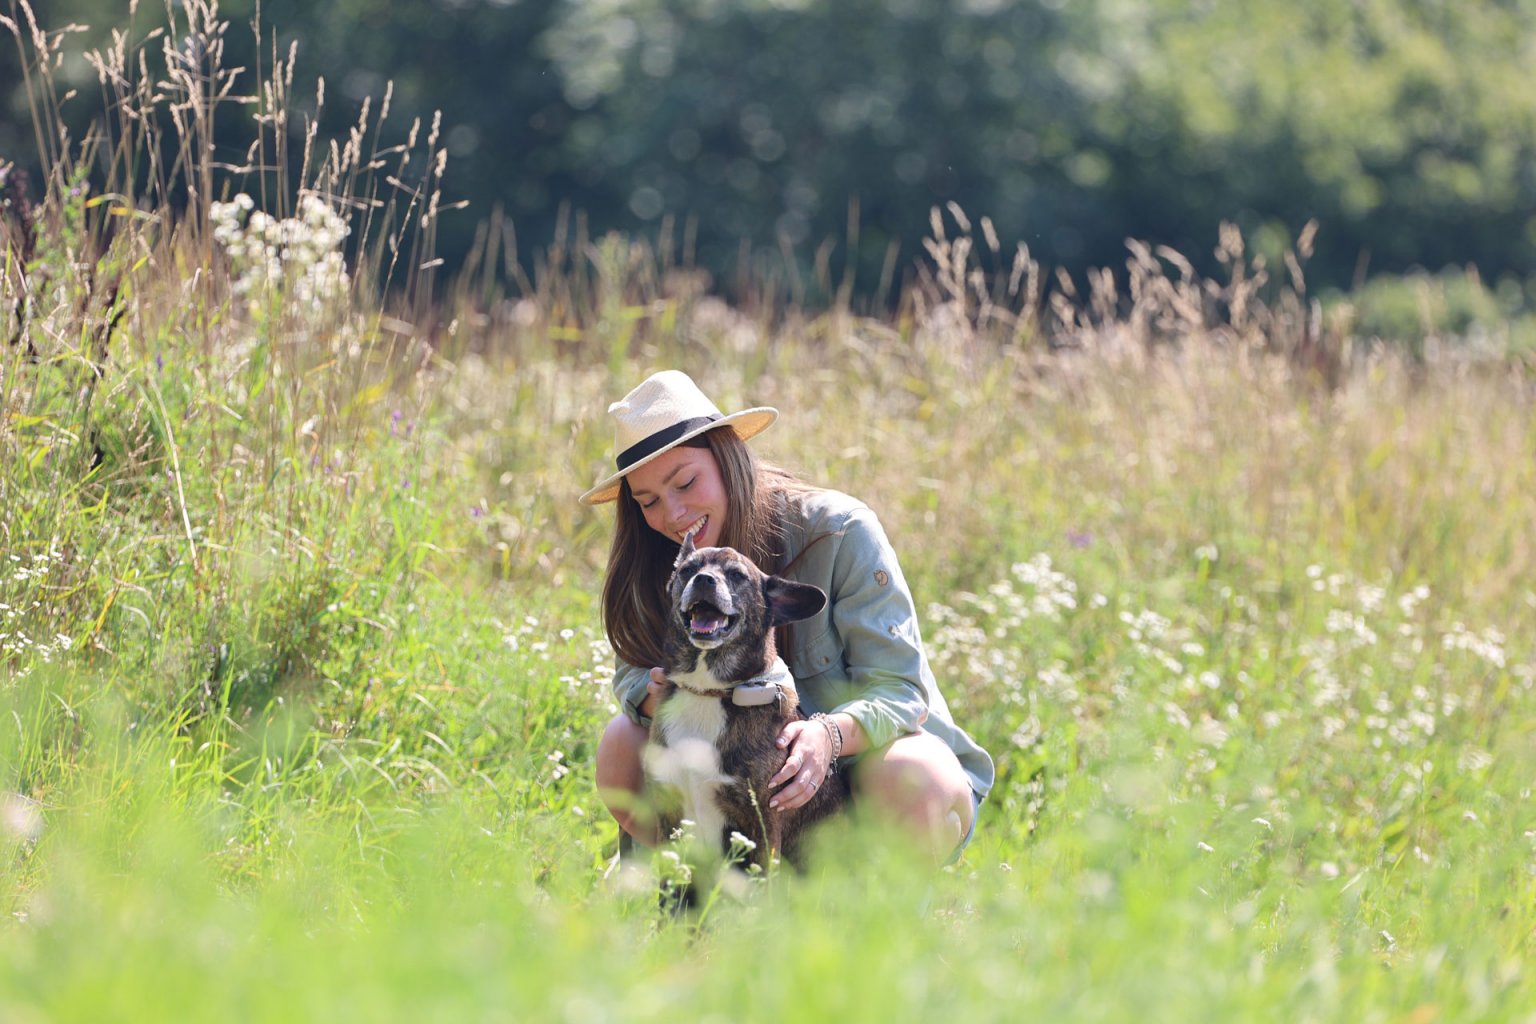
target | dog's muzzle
x=708, y=611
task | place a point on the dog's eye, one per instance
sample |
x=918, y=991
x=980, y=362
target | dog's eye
x=736, y=574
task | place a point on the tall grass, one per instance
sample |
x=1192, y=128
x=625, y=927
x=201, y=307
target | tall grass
x=301, y=665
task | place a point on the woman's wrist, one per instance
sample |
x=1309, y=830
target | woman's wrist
x=834, y=737
x=852, y=736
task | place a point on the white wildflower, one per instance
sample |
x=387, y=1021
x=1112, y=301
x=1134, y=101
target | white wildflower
x=20, y=817
x=1028, y=734
x=1408, y=603
x=300, y=256
x=1474, y=760
x=1210, y=732
x=1488, y=645
x=1352, y=627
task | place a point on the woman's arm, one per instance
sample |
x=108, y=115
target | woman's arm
x=874, y=614
x=883, y=698
x=631, y=687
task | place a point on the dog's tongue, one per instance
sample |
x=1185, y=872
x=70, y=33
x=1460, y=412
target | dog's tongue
x=705, y=620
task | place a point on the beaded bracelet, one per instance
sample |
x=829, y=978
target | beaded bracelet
x=834, y=733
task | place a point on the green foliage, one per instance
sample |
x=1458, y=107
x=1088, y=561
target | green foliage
x=1450, y=305
x=1403, y=127
x=767, y=121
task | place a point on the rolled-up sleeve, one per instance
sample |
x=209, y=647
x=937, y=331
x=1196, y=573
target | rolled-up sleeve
x=630, y=687
x=873, y=612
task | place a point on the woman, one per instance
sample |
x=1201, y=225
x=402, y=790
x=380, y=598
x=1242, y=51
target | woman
x=683, y=466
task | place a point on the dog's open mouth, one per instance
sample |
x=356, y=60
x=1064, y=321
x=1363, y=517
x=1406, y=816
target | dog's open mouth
x=707, y=622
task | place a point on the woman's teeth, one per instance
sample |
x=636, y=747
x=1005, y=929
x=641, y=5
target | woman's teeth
x=696, y=529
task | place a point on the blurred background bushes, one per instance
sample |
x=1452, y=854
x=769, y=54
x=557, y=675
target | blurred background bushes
x=1407, y=128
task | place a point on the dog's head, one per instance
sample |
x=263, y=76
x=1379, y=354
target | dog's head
x=719, y=596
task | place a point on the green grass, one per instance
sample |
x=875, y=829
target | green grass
x=1260, y=696
x=301, y=671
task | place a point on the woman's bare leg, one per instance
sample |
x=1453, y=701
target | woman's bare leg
x=621, y=778
x=917, y=783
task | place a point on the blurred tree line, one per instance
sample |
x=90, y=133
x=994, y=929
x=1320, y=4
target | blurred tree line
x=1407, y=128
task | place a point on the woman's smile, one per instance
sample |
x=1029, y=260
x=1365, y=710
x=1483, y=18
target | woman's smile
x=697, y=529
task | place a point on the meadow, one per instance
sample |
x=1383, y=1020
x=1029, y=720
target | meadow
x=302, y=669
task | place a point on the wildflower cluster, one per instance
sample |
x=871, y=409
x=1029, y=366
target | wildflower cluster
x=1487, y=645
x=1355, y=674
x=297, y=258
x=16, y=642
x=532, y=640
x=966, y=640
x=535, y=654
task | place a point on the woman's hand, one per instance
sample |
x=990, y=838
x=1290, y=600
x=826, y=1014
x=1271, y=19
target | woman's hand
x=807, y=768
x=653, y=692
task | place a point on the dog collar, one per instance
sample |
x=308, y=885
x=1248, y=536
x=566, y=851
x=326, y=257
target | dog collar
x=767, y=688
x=758, y=691
x=752, y=695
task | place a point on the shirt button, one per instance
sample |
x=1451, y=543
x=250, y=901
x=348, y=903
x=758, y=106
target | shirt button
x=882, y=577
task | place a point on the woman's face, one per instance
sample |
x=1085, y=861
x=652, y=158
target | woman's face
x=679, y=489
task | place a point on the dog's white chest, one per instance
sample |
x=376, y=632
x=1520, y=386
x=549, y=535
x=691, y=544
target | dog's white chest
x=690, y=715
x=687, y=757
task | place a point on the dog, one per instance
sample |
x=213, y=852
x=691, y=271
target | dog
x=727, y=699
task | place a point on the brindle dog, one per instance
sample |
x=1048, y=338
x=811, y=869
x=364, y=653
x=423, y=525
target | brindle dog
x=728, y=698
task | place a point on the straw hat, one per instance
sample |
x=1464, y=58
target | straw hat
x=664, y=411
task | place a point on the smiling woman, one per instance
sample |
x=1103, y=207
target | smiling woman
x=682, y=493
x=684, y=468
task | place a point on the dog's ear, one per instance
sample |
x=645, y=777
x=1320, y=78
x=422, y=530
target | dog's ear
x=789, y=601
x=684, y=551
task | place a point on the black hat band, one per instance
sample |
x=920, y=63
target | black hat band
x=662, y=438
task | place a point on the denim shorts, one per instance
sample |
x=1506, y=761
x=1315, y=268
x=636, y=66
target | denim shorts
x=976, y=800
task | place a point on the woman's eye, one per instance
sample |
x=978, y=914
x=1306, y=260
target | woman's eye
x=687, y=485
x=648, y=504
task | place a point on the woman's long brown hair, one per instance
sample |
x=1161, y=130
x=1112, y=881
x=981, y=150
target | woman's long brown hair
x=640, y=559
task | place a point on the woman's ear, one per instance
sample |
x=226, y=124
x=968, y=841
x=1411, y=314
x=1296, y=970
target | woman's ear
x=789, y=601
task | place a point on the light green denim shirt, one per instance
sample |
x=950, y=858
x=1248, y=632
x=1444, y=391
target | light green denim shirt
x=863, y=654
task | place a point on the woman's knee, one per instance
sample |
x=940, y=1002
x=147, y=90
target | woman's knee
x=919, y=779
x=618, y=762
x=620, y=775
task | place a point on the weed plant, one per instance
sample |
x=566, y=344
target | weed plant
x=300, y=654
